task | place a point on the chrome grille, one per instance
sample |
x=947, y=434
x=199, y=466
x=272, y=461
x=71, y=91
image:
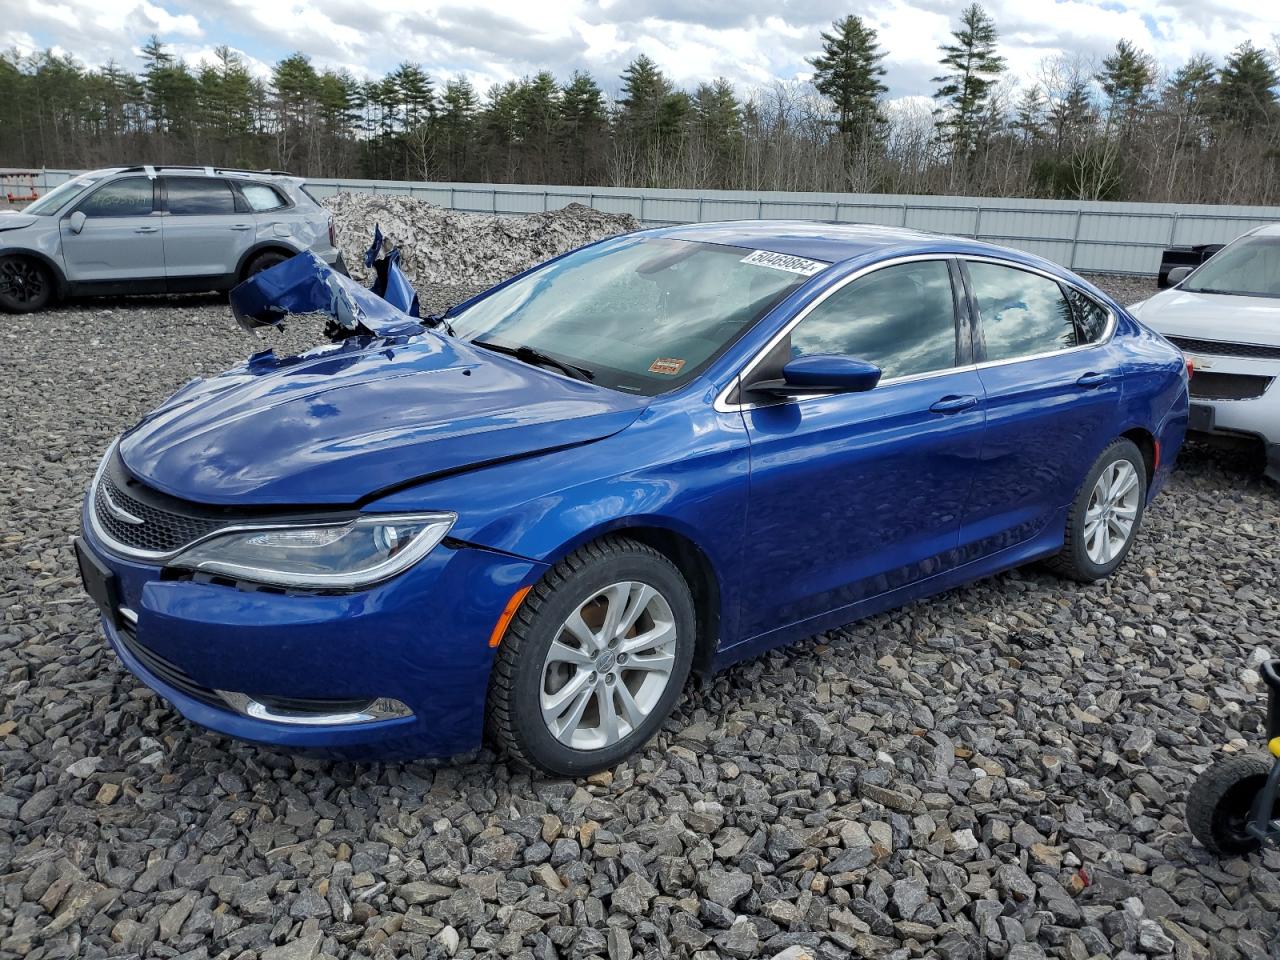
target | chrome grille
x=1220, y=348
x=160, y=530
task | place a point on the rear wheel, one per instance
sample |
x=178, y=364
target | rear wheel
x=26, y=285
x=1220, y=801
x=264, y=261
x=1105, y=515
x=594, y=660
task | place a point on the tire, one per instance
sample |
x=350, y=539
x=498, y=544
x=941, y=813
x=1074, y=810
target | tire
x=1082, y=556
x=614, y=572
x=264, y=261
x=1219, y=801
x=26, y=285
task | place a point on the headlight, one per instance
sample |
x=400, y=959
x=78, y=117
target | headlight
x=351, y=553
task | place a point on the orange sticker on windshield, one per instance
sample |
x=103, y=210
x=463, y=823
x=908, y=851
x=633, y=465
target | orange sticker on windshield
x=667, y=365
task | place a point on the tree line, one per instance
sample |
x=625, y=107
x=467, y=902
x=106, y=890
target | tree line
x=1116, y=129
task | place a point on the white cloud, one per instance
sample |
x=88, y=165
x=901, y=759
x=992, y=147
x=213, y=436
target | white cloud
x=750, y=41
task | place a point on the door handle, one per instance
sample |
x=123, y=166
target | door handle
x=1091, y=380
x=954, y=404
x=242, y=226
x=146, y=230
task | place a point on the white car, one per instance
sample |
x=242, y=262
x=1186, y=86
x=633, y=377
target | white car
x=1225, y=316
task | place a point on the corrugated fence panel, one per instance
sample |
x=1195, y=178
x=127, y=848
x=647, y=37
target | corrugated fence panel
x=1085, y=235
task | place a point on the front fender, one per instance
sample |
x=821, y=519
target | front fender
x=679, y=468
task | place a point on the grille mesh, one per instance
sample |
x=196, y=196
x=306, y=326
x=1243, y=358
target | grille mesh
x=1219, y=348
x=161, y=531
x=1228, y=386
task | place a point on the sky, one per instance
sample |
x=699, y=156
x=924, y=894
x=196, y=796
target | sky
x=751, y=42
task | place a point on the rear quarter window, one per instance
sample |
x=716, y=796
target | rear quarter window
x=1092, y=318
x=262, y=198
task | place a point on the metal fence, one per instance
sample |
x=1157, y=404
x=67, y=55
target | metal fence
x=1094, y=236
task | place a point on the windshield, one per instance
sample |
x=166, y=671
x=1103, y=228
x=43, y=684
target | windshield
x=59, y=196
x=637, y=314
x=1249, y=268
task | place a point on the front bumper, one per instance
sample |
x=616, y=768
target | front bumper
x=1249, y=417
x=420, y=638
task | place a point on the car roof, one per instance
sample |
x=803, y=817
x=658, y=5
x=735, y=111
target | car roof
x=838, y=242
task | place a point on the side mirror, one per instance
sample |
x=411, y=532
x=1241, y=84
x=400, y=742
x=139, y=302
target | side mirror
x=1178, y=274
x=821, y=373
x=76, y=221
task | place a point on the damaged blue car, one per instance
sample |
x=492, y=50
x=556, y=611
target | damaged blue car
x=537, y=513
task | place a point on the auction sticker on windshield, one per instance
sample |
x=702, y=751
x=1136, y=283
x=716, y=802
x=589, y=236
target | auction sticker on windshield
x=668, y=365
x=783, y=261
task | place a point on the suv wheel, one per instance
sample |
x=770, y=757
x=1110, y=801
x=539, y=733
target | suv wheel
x=264, y=261
x=26, y=285
x=594, y=660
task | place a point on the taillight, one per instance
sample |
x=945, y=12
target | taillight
x=1191, y=368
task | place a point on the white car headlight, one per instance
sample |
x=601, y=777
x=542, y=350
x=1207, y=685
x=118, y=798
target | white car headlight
x=319, y=556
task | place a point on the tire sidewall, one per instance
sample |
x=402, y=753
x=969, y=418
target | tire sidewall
x=1119, y=450
x=264, y=261
x=536, y=741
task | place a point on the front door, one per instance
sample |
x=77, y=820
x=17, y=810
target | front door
x=121, y=237
x=204, y=234
x=1053, y=403
x=853, y=495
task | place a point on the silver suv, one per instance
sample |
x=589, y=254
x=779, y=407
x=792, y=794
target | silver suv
x=157, y=230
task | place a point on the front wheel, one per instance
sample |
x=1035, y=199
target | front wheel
x=26, y=285
x=1105, y=515
x=594, y=660
x=1220, y=801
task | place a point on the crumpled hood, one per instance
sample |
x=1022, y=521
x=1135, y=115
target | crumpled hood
x=1212, y=316
x=343, y=422
x=13, y=221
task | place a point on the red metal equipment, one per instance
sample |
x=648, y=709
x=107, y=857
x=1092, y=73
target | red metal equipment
x=19, y=186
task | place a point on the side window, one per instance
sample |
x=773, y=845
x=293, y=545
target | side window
x=900, y=318
x=261, y=197
x=191, y=196
x=130, y=197
x=1091, y=316
x=1023, y=313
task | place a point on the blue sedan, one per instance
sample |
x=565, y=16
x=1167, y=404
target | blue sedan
x=536, y=514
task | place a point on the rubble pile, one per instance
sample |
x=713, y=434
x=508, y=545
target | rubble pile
x=449, y=247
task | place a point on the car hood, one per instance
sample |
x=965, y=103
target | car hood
x=13, y=221
x=1212, y=316
x=343, y=423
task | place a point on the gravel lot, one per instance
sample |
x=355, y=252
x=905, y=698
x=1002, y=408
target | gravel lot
x=997, y=772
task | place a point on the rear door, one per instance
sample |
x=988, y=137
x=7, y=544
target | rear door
x=857, y=494
x=121, y=238
x=1052, y=382
x=206, y=230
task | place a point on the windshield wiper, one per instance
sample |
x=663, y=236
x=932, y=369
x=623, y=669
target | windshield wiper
x=534, y=356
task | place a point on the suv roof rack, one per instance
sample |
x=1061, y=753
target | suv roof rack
x=207, y=170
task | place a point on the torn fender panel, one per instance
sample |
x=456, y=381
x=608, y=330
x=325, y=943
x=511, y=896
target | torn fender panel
x=306, y=284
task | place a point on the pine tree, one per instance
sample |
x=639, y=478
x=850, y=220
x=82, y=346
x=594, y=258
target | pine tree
x=972, y=68
x=1126, y=79
x=848, y=73
x=1029, y=115
x=1246, y=96
x=1193, y=85
x=457, y=126
x=582, y=124
x=644, y=92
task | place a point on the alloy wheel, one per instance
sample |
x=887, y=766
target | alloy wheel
x=608, y=666
x=21, y=282
x=1113, y=508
